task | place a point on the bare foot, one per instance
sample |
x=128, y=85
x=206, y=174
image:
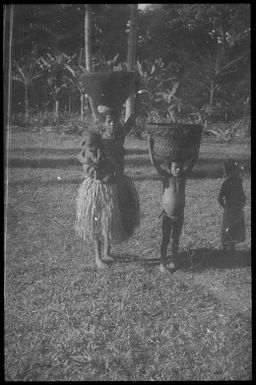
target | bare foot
x=163, y=269
x=100, y=264
x=108, y=258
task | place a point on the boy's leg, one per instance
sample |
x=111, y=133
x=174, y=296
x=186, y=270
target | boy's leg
x=177, y=228
x=98, y=260
x=106, y=253
x=166, y=233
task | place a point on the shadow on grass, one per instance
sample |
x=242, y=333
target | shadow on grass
x=44, y=162
x=51, y=182
x=73, y=151
x=205, y=168
x=203, y=259
x=44, y=151
x=125, y=258
x=214, y=172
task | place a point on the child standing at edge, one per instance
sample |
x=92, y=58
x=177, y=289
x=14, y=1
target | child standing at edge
x=173, y=203
x=98, y=216
x=232, y=199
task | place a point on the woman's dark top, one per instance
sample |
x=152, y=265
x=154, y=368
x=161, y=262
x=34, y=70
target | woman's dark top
x=114, y=151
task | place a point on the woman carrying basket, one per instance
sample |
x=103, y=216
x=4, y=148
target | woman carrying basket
x=113, y=141
x=98, y=217
x=125, y=204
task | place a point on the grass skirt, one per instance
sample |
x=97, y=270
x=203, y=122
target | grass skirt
x=233, y=227
x=98, y=212
x=108, y=212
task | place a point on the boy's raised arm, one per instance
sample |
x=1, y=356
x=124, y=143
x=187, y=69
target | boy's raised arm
x=81, y=157
x=132, y=118
x=190, y=166
x=158, y=168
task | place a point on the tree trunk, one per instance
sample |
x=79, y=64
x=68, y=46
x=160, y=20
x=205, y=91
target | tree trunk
x=55, y=107
x=7, y=65
x=57, y=110
x=82, y=106
x=26, y=104
x=8, y=15
x=7, y=59
x=81, y=59
x=212, y=88
x=211, y=97
x=131, y=56
x=88, y=50
x=88, y=37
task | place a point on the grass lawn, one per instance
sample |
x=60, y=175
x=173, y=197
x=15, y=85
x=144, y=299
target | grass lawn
x=66, y=320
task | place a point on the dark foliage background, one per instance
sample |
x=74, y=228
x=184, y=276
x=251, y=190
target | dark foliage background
x=194, y=58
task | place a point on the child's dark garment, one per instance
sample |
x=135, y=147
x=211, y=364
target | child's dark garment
x=232, y=199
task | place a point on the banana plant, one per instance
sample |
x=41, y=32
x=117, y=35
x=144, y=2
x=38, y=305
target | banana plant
x=211, y=70
x=74, y=80
x=26, y=74
x=54, y=67
x=161, y=84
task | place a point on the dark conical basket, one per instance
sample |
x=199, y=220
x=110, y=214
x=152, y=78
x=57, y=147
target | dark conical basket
x=175, y=141
x=109, y=89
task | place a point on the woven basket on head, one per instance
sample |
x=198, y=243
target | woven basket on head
x=175, y=141
x=110, y=89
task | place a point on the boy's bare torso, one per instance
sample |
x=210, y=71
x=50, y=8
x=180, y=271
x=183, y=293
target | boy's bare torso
x=174, y=196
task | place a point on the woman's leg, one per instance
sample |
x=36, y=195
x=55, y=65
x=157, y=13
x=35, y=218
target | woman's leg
x=106, y=252
x=98, y=260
